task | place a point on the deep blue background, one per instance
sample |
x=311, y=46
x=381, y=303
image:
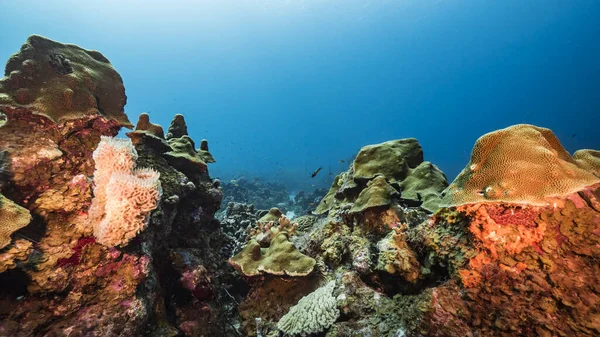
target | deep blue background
x=282, y=87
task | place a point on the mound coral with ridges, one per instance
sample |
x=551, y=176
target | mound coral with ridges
x=522, y=164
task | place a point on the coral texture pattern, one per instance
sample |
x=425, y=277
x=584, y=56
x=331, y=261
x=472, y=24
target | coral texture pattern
x=314, y=313
x=124, y=197
x=520, y=164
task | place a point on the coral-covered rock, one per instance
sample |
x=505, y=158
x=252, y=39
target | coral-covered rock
x=520, y=164
x=424, y=184
x=269, y=299
x=147, y=132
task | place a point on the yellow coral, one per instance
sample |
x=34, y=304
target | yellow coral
x=12, y=218
x=19, y=251
x=520, y=164
x=588, y=160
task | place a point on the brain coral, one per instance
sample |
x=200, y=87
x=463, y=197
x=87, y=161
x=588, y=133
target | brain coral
x=519, y=164
x=63, y=81
x=314, y=313
x=12, y=218
x=588, y=160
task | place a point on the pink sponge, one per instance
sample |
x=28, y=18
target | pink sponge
x=123, y=196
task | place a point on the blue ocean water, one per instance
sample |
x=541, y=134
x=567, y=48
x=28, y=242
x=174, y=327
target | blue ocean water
x=280, y=88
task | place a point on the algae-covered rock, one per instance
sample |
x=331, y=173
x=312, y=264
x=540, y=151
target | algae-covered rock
x=63, y=82
x=425, y=183
x=391, y=159
x=378, y=193
x=280, y=258
x=396, y=257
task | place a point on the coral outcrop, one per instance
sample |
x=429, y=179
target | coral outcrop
x=481, y=267
x=400, y=163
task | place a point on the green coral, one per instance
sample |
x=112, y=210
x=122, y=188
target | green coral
x=378, y=193
x=280, y=258
x=401, y=164
x=272, y=216
x=183, y=156
x=391, y=159
x=314, y=313
x=425, y=183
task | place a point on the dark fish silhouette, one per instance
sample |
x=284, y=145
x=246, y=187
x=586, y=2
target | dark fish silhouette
x=342, y=161
x=314, y=174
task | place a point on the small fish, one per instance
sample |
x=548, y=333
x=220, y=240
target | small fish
x=314, y=174
x=342, y=161
x=573, y=136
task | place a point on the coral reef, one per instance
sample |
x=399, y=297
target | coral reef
x=92, y=246
x=480, y=268
x=56, y=278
